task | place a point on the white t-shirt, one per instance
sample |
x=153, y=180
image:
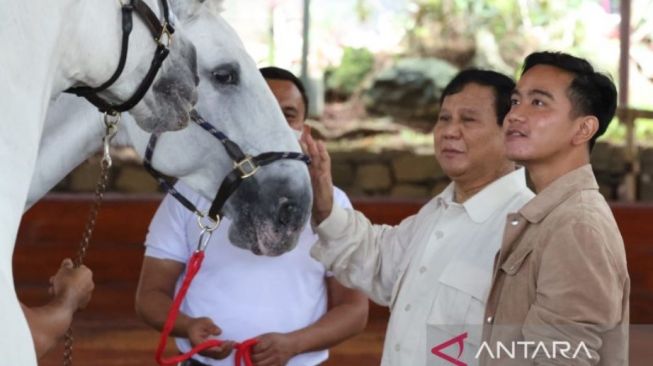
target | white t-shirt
x=246, y=295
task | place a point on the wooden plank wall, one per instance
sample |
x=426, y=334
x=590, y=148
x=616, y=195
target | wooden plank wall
x=52, y=229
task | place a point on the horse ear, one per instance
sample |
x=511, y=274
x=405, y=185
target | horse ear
x=185, y=10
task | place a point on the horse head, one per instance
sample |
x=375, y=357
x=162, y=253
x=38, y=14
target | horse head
x=94, y=46
x=269, y=209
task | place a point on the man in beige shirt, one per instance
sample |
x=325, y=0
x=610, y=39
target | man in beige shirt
x=560, y=287
x=433, y=269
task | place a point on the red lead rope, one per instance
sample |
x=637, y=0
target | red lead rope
x=243, y=350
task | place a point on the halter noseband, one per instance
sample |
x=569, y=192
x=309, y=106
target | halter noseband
x=245, y=166
x=162, y=35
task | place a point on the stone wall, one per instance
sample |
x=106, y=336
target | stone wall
x=398, y=174
x=391, y=174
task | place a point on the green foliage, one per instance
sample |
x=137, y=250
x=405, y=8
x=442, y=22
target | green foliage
x=516, y=25
x=616, y=132
x=355, y=64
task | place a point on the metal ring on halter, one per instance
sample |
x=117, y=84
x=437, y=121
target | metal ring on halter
x=111, y=119
x=210, y=224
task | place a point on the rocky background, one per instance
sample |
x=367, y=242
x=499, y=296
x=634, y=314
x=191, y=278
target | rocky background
x=390, y=173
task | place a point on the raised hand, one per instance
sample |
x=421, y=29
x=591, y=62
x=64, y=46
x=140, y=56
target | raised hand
x=320, y=171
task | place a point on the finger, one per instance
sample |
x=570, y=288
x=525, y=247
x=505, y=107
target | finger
x=303, y=146
x=261, y=346
x=67, y=263
x=227, y=348
x=324, y=154
x=306, y=131
x=219, y=352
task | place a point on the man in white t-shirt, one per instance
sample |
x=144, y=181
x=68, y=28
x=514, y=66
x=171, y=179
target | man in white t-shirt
x=290, y=303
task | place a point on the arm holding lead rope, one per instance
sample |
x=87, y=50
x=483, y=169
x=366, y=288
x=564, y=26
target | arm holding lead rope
x=71, y=289
x=154, y=297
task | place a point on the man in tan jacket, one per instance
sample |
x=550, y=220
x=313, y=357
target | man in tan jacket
x=560, y=286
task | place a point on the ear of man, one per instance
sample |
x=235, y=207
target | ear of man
x=587, y=128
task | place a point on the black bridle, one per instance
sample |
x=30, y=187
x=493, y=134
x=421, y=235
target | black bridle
x=245, y=166
x=162, y=34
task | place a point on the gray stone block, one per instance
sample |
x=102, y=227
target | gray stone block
x=373, y=177
x=410, y=191
x=416, y=168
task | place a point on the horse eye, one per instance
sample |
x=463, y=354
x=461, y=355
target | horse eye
x=226, y=75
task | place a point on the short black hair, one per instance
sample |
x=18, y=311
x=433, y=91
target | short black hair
x=591, y=93
x=277, y=73
x=501, y=85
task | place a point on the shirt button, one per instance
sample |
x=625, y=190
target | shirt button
x=422, y=269
x=407, y=308
x=439, y=234
x=514, y=222
x=489, y=319
x=397, y=347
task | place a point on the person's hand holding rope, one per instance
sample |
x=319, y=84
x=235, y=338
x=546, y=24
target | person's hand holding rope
x=72, y=287
x=200, y=330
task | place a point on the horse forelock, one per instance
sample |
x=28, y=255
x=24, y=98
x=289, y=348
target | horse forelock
x=215, y=7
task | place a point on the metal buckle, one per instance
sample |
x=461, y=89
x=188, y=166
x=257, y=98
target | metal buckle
x=247, y=167
x=164, y=32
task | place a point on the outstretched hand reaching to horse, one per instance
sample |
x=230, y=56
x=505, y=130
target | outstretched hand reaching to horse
x=320, y=172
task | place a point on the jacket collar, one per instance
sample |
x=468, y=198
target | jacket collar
x=558, y=191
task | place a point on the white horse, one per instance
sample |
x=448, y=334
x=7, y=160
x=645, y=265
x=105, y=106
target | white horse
x=268, y=209
x=52, y=45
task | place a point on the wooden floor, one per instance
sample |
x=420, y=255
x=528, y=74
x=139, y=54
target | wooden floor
x=127, y=342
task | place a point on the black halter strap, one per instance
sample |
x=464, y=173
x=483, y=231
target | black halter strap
x=159, y=31
x=245, y=166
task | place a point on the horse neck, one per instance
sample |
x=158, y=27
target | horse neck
x=31, y=30
x=91, y=30
x=64, y=145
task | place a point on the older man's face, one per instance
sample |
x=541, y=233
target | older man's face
x=469, y=143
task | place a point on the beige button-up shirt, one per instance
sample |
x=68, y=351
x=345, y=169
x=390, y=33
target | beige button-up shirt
x=434, y=269
x=560, y=276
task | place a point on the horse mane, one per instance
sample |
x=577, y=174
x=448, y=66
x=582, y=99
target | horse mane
x=185, y=10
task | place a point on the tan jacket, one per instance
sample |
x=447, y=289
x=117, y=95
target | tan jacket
x=560, y=276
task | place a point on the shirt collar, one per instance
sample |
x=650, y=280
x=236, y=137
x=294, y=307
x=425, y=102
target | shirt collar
x=558, y=191
x=491, y=198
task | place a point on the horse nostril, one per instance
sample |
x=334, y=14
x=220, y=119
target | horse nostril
x=286, y=212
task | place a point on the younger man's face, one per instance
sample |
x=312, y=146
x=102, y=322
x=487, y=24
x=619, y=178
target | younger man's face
x=540, y=124
x=290, y=100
